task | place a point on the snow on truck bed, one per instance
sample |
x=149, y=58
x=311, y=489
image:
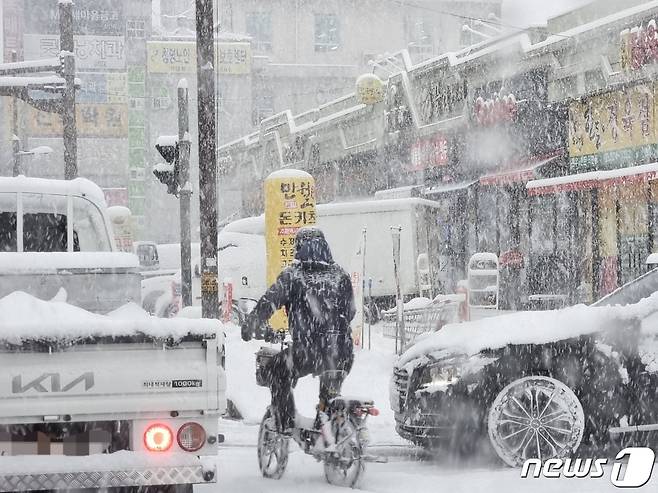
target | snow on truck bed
x=26, y=318
x=534, y=327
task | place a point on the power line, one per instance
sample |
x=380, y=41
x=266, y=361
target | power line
x=402, y=3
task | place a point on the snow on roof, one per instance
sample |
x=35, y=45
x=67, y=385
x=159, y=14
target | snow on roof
x=163, y=167
x=652, y=259
x=249, y=225
x=53, y=62
x=42, y=262
x=24, y=317
x=617, y=16
x=398, y=192
x=15, y=81
x=534, y=327
x=593, y=176
x=166, y=140
x=78, y=186
x=370, y=206
x=449, y=187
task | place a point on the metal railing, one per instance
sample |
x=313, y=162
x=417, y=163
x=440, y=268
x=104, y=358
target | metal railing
x=421, y=320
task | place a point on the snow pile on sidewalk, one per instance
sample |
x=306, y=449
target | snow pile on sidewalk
x=24, y=317
x=539, y=327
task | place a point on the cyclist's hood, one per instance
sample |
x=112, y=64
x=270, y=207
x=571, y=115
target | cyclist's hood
x=312, y=246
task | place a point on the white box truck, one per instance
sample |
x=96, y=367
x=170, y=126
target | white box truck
x=342, y=224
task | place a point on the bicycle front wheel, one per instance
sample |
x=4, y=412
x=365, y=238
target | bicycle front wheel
x=272, y=448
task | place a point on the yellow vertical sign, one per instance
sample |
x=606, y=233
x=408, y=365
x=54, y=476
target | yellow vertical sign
x=289, y=206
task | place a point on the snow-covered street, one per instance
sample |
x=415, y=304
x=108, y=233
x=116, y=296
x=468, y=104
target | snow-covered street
x=409, y=468
x=405, y=472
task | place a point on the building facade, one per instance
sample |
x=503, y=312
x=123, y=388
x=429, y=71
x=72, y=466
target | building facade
x=110, y=47
x=540, y=147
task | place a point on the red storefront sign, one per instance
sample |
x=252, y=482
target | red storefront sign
x=116, y=196
x=428, y=153
x=499, y=109
x=639, y=46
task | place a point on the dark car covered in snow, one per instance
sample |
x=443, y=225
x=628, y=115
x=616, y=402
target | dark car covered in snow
x=536, y=384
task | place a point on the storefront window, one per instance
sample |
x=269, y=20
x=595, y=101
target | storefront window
x=487, y=221
x=564, y=222
x=505, y=212
x=542, y=238
x=633, y=231
x=8, y=234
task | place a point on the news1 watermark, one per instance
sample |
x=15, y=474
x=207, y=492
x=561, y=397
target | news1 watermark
x=631, y=468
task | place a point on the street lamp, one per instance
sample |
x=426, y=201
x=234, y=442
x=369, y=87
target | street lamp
x=18, y=153
x=36, y=150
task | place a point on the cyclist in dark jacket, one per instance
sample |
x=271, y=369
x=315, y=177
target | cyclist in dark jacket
x=317, y=294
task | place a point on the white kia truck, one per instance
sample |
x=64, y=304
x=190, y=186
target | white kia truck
x=56, y=241
x=122, y=400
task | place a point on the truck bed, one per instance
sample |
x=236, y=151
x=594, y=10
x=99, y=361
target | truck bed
x=99, y=381
x=61, y=363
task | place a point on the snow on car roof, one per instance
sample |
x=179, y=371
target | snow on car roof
x=249, y=225
x=78, y=186
x=24, y=317
x=534, y=327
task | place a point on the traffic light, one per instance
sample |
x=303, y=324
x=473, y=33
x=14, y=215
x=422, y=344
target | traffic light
x=169, y=172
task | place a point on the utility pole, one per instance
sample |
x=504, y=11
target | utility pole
x=15, y=141
x=67, y=50
x=185, y=192
x=205, y=54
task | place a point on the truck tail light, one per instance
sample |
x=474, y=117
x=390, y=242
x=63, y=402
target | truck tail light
x=191, y=437
x=158, y=438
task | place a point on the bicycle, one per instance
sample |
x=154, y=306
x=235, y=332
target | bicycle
x=337, y=437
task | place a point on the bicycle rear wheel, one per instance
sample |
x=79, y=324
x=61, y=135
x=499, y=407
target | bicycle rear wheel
x=346, y=466
x=272, y=448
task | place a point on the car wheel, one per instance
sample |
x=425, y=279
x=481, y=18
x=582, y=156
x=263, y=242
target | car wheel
x=535, y=417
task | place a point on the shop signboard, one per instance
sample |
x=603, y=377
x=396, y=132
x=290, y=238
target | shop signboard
x=438, y=99
x=90, y=17
x=96, y=87
x=614, y=129
x=92, y=120
x=91, y=52
x=429, y=152
x=170, y=57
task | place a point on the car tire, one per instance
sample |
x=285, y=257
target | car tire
x=535, y=417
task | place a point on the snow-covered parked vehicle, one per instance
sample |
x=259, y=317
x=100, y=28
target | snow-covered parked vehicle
x=56, y=240
x=536, y=384
x=91, y=401
x=245, y=238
